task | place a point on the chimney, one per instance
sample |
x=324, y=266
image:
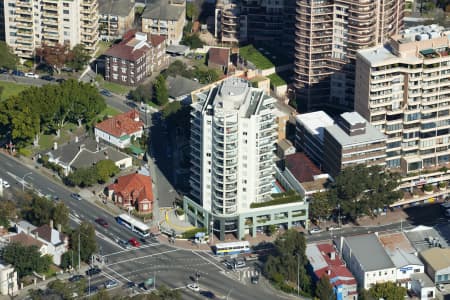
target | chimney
x=51, y=223
x=328, y=272
x=333, y=255
x=59, y=227
x=28, y=230
x=55, y=146
x=36, y=235
x=76, y=139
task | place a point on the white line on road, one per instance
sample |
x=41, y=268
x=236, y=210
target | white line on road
x=51, y=190
x=141, y=257
x=120, y=275
x=213, y=263
x=133, y=249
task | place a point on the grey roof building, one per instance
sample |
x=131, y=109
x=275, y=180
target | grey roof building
x=423, y=237
x=367, y=259
x=180, y=88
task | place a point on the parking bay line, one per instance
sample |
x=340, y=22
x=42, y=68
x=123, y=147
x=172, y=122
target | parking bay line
x=141, y=257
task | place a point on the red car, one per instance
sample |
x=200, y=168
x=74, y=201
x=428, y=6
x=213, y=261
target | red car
x=134, y=242
x=102, y=222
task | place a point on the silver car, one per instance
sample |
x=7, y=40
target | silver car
x=111, y=284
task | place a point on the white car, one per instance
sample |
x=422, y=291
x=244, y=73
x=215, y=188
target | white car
x=31, y=75
x=6, y=184
x=441, y=287
x=315, y=230
x=193, y=287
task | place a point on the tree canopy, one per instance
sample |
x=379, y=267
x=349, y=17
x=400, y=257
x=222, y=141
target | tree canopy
x=288, y=259
x=161, y=93
x=38, y=110
x=79, y=57
x=100, y=172
x=7, y=58
x=142, y=93
x=26, y=259
x=40, y=210
x=388, y=291
x=86, y=232
x=324, y=289
x=55, y=56
x=201, y=73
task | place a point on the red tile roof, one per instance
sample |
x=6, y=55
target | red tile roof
x=302, y=167
x=156, y=39
x=134, y=187
x=124, y=50
x=219, y=56
x=45, y=233
x=124, y=124
x=26, y=240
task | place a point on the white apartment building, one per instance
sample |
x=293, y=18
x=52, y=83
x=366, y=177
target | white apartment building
x=30, y=23
x=8, y=280
x=233, y=138
x=403, y=89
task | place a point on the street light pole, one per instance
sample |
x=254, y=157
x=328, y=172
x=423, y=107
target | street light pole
x=79, y=242
x=23, y=180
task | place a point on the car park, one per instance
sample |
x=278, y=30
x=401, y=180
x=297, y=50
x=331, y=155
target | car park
x=134, y=242
x=31, y=75
x=102, y=222
x=76, y=278
x=18, y=73
x=93, y=271
x=111, y=284
x=75, y=196
x=193, y=287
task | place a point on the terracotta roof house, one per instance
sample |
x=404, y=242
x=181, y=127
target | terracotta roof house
x=119, y=130
x=27, y=240
x=219, y=58
x=324, y=260
x=133, y=59
x=132, y=191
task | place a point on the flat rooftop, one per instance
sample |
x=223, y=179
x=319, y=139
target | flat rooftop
x=372, y=134
x=315, y=122
x=422, y=237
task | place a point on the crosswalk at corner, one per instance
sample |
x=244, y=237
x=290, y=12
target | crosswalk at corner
x=249, y=274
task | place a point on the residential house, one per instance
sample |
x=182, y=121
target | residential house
x=437, y=264
x=83, y=153
x=132, y=191
x=367, y=260
x=116, y=18
x=120, y=129
x=422, y=286
x=49, y=240
x=324, y=260
x=8, y=280
x=134, y=59
x=166, y=18
x=300, y=174
x=403, y=255
x=180, y=88
x=219, y=58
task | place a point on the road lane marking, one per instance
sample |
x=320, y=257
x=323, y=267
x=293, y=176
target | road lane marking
x=213, y=263
x=141, y=257
x=133, y=249
x=51, y=190
x=118, y=274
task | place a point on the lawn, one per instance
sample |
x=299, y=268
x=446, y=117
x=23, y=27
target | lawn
x=115, y=88
x=11, y=89
x=107, y=112
x=276, y=80
x=46, y=140
x=253, y=55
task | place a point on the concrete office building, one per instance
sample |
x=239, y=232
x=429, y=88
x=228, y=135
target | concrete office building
x=328, y=35
x=403, y=90
x=352, y=141
x=233, y=137
x=30, y=24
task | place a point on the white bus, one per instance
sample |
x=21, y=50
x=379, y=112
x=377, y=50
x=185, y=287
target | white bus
x=232, y=248
x=133, y=224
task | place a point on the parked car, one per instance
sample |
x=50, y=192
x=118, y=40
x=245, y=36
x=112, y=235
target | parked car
x=111, y=284
x=101, y=222
x=76, y=278
x=208, y=294
x=76, y=196
x=48, y=78
x=93, y=271
x=333, y=228
x=130, y=284
x=255, y=279
x=134, y=242
x=31, y=75
x=106, y=93
x=6, y=184
x=60, y=80
x=18, y=73
x=193, y=287
x=3, y=71
x=91, y=290
x=315, y=230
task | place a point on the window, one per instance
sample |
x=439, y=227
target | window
x=66, y=11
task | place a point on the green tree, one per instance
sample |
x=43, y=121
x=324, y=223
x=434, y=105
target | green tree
x=60, y=288
x=86, y=232
x=60, y=215
x=320, y=206
x=191, y=11
x=388, y=291
x=7, y=212
x=7, y=58
x=39, y=211
x=271, y=229
x=142, y=93
x=79, y=58
x=161, y=93
x=83, y=177
x=324, y=289
x=69, y=259
x=105, y=169
x=26, y=259
x=171, y=109
x=193, y=41
x=289, y=254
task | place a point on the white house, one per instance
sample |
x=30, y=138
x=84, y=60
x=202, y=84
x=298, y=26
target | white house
x=8, y=280
x=367, y=260
x=120, y=129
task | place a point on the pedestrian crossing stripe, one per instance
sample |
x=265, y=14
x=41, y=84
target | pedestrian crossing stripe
x=249, y=274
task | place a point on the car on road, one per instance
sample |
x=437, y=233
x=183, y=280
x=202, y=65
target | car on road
x=255, y=279
x=143, y=240
x=334, y=228
x=193, y=287
x=48, y=78
x=208, y=294
x=31, y=75
x=91, y=290
x=134, y=242
x=3, y=71
x=315, y=230
x=111, y=284
x=6, y=184
x=123, y=244
x=76, y=278
x=18, y=73
x=60, y=80
x=93, y=271
x=130, y=284
x=106, y=93
x=75, y=196
x=102, y=222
